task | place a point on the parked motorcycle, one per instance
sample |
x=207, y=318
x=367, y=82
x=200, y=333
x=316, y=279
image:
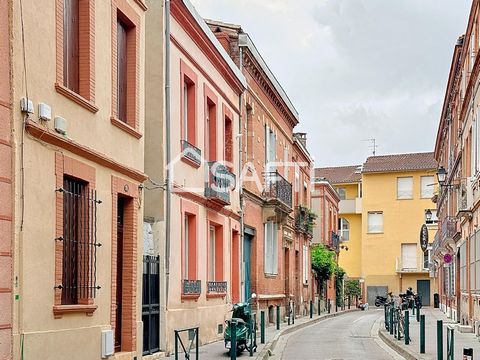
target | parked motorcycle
x=380, y=301
x=242, y=316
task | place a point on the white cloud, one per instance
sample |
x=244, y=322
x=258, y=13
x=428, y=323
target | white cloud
x=355, y=69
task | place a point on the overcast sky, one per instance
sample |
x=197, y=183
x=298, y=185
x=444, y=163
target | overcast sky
x=355, y=69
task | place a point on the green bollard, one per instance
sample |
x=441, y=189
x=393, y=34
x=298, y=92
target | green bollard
x=329, y=305
x=439, y=340
x=422, y=334
x=293, y=313
x=262, y=327
x=278, y=317
x=319, y=307
x=391, y=321
x=413, y=309
x=311, y=309
x=406, y=326
x=233, y=338
x=418, y=313
x=255, y=331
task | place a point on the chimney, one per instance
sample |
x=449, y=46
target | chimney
x=223, y=38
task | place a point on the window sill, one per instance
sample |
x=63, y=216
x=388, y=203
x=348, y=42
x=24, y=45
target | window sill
x=216, y=295
x=374, y=232
x=80, y=100
x=411, y=198
x=190, y=162
x=188, y=297
x=60, y=310
x=271, y=276
x=125, y=127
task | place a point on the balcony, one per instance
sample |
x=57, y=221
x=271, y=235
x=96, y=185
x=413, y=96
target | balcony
x=334, y=241
x=465, y=198
x=351, y=206
x=218, y=182
x=410, y=268
x=217, y=287
x=448, y=229
x=277, y=189
x=191, y=287
x=304, y=220
x=191, y=154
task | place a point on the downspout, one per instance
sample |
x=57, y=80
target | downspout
x=240, y=169
x=168, y=150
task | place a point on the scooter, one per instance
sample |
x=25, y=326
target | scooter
x=242, y=316
x=380, y=301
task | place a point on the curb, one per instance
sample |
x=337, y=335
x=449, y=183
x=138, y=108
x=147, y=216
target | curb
x=396, y=346
x=270, y=345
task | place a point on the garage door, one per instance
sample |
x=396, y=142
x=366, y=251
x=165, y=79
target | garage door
x=374, y=291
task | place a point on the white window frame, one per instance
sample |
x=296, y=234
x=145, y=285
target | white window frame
x=342, y=193
x=185, y=111
x=342, y=231
x=305, y=264
x=271, y=248
x=404, y=193
x=380, y=228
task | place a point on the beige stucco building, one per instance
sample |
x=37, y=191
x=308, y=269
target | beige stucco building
x=76, y=149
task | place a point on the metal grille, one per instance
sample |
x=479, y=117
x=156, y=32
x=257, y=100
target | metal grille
x=151, y=304
x=278, y=188
x=79, y=239
x=219, y=287
x=218, y=182
x=192, y=287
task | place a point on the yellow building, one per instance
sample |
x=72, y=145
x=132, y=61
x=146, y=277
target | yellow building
x=382, y=209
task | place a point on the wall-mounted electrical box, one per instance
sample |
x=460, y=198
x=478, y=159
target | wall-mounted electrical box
x=44, y=112
x=107, y=343
x=26, y=105
x=60, y=125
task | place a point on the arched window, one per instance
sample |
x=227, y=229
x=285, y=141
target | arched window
x=343, y=229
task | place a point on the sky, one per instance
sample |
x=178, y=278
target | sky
x=355, y=69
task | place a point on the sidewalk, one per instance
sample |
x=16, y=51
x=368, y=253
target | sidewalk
x=217, y=349
x=412, y=351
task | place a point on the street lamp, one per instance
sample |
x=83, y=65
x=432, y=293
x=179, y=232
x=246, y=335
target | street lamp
x=441, y=175
x=428, y=215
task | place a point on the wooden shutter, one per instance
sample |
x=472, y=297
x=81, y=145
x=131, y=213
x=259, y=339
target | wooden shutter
x=70, y=44
x=121, y=71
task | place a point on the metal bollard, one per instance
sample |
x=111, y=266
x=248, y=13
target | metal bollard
x=336, y=305
x=262, y=327
x=391, y=321
x=311, y=309
x=413, y=309
x=319, y=307
x=450, y=342
x=418, y=313
x=422, y=334
x=385, y=316
x=329, y=305
x=293, y=313
x=233, y=338
x=252, y=334
x=468, y=354
x=349, y=301
x=406, y=327
x=439, y=339
x=278, y=317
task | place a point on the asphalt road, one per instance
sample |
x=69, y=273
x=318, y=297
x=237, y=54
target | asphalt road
x=350, y=336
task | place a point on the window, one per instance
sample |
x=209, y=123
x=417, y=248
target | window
x=477, y=262
x=305, y=264
x=409, y=256
x=125, y=58
x=189, y=247
x=79, y=241
x=427, y=257
x=215, y=253
x=250, y=133
x=375, y=222
x=270, y=149
x=71, y=63
x=427, y=187
x=405, y=188
x=342, y=193
x=285, y=162
x=343, y=229
x=271, y=248
x=228, y=139
x=472, y=260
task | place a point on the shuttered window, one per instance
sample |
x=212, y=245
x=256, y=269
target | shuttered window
x=71, y=63
x=271, y=248
x=305, y=264
x=427, y=187
x=463, y=267
x=375, y=222
x=405, y=188
x=122, y=70
x=409, y=256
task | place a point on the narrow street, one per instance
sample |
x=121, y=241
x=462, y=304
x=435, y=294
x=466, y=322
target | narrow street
x=345, y=337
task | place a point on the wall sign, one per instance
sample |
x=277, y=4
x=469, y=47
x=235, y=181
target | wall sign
x=424, y=237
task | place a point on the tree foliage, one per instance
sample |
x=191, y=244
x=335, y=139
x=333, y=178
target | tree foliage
x=339, y=275
x=352, y=288
x=323, y=262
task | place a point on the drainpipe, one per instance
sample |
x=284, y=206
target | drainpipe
x=168, y=150
x=240, y=163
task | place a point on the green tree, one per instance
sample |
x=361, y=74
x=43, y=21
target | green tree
x=339, y=276
x=352, y=288
x=323, y=264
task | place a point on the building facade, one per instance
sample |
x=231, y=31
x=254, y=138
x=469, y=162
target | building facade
x=276, y=185
x=77, y=195
x=383, y=206
x=457, y=246
x=195, y=224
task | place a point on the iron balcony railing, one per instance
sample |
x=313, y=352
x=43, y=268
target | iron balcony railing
x=448, y=229
x=218, y=182
x=192, y=287
x=278, y=188
x=217, y=287
x=191, y=152
x=436, y=243
x=335, y=241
